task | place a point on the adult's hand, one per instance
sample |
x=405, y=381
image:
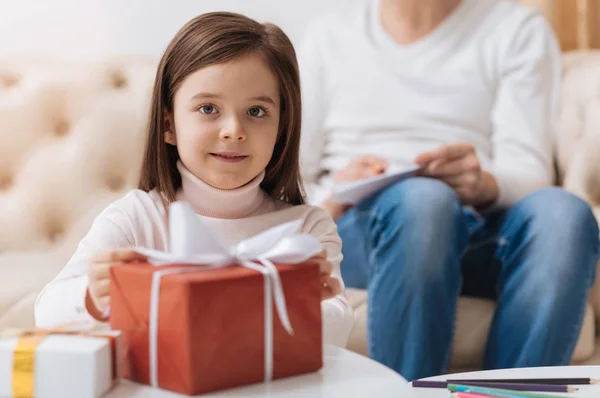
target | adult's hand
x=359, y=168
x=457, y=165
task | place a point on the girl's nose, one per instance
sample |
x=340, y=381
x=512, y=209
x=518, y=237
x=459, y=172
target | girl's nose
x=234, y=131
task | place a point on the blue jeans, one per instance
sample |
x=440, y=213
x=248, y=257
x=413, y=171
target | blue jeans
x=416, y=249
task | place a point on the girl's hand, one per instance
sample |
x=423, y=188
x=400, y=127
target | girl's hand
x=99, y=274
x=330, y=286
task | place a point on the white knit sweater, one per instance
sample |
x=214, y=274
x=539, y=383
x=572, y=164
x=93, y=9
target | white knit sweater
x=488, y=75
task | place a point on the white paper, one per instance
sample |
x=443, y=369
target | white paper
x=65, y=366
x=356, y=191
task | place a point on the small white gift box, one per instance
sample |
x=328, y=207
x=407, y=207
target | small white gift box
x=58, y=364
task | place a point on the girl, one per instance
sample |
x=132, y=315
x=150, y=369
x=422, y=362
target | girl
x=223, y=135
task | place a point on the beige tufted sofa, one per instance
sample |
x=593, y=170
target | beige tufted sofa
x=71, y=141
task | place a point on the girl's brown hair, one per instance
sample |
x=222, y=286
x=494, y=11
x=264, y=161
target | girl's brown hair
x=216, y=38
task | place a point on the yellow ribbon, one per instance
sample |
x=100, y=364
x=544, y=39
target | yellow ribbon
x=23, y=375
x=23, y=365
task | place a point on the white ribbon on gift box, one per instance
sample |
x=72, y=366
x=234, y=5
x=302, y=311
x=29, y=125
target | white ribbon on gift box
x=198, y=248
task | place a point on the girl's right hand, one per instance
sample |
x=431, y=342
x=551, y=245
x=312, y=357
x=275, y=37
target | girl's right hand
x=330, y=285
x=99, y=274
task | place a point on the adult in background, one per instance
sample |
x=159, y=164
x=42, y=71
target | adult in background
x=467, y=89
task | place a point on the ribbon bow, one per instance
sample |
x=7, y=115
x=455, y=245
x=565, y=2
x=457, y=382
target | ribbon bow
x=196, y=247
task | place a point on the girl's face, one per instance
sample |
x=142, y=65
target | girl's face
x=225, y=121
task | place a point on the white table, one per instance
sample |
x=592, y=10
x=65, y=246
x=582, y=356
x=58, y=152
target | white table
x=344, y=374
x=588, y=391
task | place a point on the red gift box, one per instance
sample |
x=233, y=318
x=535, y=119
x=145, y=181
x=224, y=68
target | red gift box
x=211, y=327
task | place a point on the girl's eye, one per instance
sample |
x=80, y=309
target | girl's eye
x=208, y=109
x=257, y=111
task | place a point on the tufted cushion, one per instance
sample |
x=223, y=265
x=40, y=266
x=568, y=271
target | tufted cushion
x=579, y=124
x=67, y=131
x=72, y=141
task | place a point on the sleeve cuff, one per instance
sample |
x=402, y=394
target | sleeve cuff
x=510, y=189
x=61, y=302
x=338, y=320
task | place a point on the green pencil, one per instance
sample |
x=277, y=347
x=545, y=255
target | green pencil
x=498, y=392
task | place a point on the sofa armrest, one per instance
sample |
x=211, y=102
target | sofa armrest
x=22, y=276
x=578, y=136
x=583, y=179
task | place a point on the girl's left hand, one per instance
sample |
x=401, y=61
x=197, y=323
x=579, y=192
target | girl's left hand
x=330, y=286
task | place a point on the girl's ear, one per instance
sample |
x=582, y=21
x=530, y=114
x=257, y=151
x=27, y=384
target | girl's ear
x=169, y=129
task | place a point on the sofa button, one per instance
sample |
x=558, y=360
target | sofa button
x=118, y=80
x=5, y=183
x=115, y=183
x=8, y=81
x=61, y=128
x=55, y=234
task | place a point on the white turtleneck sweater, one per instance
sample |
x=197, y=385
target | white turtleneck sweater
x=139, y=219
x=489, y=75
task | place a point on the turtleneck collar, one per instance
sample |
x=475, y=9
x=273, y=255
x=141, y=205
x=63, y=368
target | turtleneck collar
x=220, y=203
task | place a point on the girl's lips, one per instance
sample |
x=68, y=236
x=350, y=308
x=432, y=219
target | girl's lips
x=229, y=157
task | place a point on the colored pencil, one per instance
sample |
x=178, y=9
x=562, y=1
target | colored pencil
x=471, y=395
x=497, y=391
x=506, y=386
x=563, y=381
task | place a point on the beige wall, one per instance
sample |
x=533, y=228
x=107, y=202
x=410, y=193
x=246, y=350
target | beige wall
x=576, y=22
